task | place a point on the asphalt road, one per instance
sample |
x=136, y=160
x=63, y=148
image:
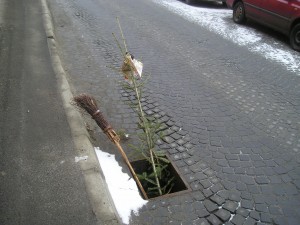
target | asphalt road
x=232, y=113
x=40, y=183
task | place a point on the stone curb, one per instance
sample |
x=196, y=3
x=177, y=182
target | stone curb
x=101, y=201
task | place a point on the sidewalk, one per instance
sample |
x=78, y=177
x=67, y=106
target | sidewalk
x=40, y=182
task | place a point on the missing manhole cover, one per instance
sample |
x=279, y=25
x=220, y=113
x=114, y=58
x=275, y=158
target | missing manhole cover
x=180, y=185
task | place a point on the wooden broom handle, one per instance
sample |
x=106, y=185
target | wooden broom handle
x=115, y=139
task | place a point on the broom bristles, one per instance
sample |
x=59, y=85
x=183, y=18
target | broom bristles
x=89, y=104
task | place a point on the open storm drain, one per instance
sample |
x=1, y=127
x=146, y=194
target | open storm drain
x=179, y=185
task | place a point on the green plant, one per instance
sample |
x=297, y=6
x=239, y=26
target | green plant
x=156, y=179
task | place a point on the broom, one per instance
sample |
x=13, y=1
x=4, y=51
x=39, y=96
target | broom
x=89, y=104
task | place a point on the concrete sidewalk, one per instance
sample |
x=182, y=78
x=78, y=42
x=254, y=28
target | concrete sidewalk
x=40, y=182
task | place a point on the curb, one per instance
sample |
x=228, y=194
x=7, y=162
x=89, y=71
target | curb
x=100, y=199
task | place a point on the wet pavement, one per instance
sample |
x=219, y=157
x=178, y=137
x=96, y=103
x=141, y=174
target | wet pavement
x=231, y=116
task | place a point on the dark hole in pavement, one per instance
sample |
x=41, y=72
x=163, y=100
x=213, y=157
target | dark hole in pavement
x=180, y=185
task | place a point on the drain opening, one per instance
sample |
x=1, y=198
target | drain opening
x=180, y=186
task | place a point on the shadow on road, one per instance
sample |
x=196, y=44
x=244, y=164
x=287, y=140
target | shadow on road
x=207, y=4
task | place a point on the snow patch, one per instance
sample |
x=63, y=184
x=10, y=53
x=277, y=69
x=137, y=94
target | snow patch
x=80, y=158
x=122, y=188
x=217, y=21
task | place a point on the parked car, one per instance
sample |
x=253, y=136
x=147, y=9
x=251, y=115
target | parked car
x=193, y=1
x=280, y=15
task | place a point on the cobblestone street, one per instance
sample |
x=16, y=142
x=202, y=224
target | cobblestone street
x=232, y=117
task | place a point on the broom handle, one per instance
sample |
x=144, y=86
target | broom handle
x=131, y=169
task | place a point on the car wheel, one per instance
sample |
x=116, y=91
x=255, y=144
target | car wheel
x=189, y=2
x=295, y=37
x=239, y=13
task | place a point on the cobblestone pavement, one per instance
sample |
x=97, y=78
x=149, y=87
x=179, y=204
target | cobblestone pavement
x=232, y=118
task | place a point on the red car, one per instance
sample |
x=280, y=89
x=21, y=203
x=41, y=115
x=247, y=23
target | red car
x=281, y=15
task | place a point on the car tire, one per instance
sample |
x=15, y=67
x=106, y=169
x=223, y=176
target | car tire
x=239, y=13
x=295, y=37
x=189, y=2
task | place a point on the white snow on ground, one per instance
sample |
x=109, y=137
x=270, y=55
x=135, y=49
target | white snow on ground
x=123, y=190
x=216, y=20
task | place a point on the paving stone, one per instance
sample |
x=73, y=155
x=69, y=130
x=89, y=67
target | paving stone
x=255, y=215
x=280, y=170
x=244, y=157
x=201, y=176
x=217, y=199
x=246, y=195
x=278, y=189
x=205, y=183
x=234, y=163
x=243, y=212
x=202, y=213
x=180, y=148
x=265, y=218
x=230, y=206
x=228, y=184
x=259, y=198
x=240, y=170
x=224, y=194
x=234, y=196
x=253, y=189
x=175, y=136
x=196, y=167
x=168, y=139
x=247, y=204
x=169, y=132
x=195, y=186
x=197, y=205
x=181, y=142
x=217, y=187
x=286, y=178
x=210, y=206
x=250, y=221
x=175, y=208
x=176, y=156
x=228, y=170
x=291, y=189
x=280, y=220
x=229, y=223
x=275, y=180
x=173, y=145
x=178, y=216
x=260, y=223
x=258, y=171
x=222, y=163
x=190, y=161
x=218, y=155
x=241, y=186
x=201, y=221
x=214, y=220
x=172, y=151
x=188, y=145
x=261, y=207
x=180, y=164
x=207, y=193
x=223, y=214
x=238, y=219
x=275, y=210
x=187, y=222
x=232, y=156
x=209, y=172
x=247, y=179
x=262, y=180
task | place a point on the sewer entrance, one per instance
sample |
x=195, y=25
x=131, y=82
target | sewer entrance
x=180, y=186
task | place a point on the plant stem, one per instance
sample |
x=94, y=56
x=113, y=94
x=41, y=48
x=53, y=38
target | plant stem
x=149, y=140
